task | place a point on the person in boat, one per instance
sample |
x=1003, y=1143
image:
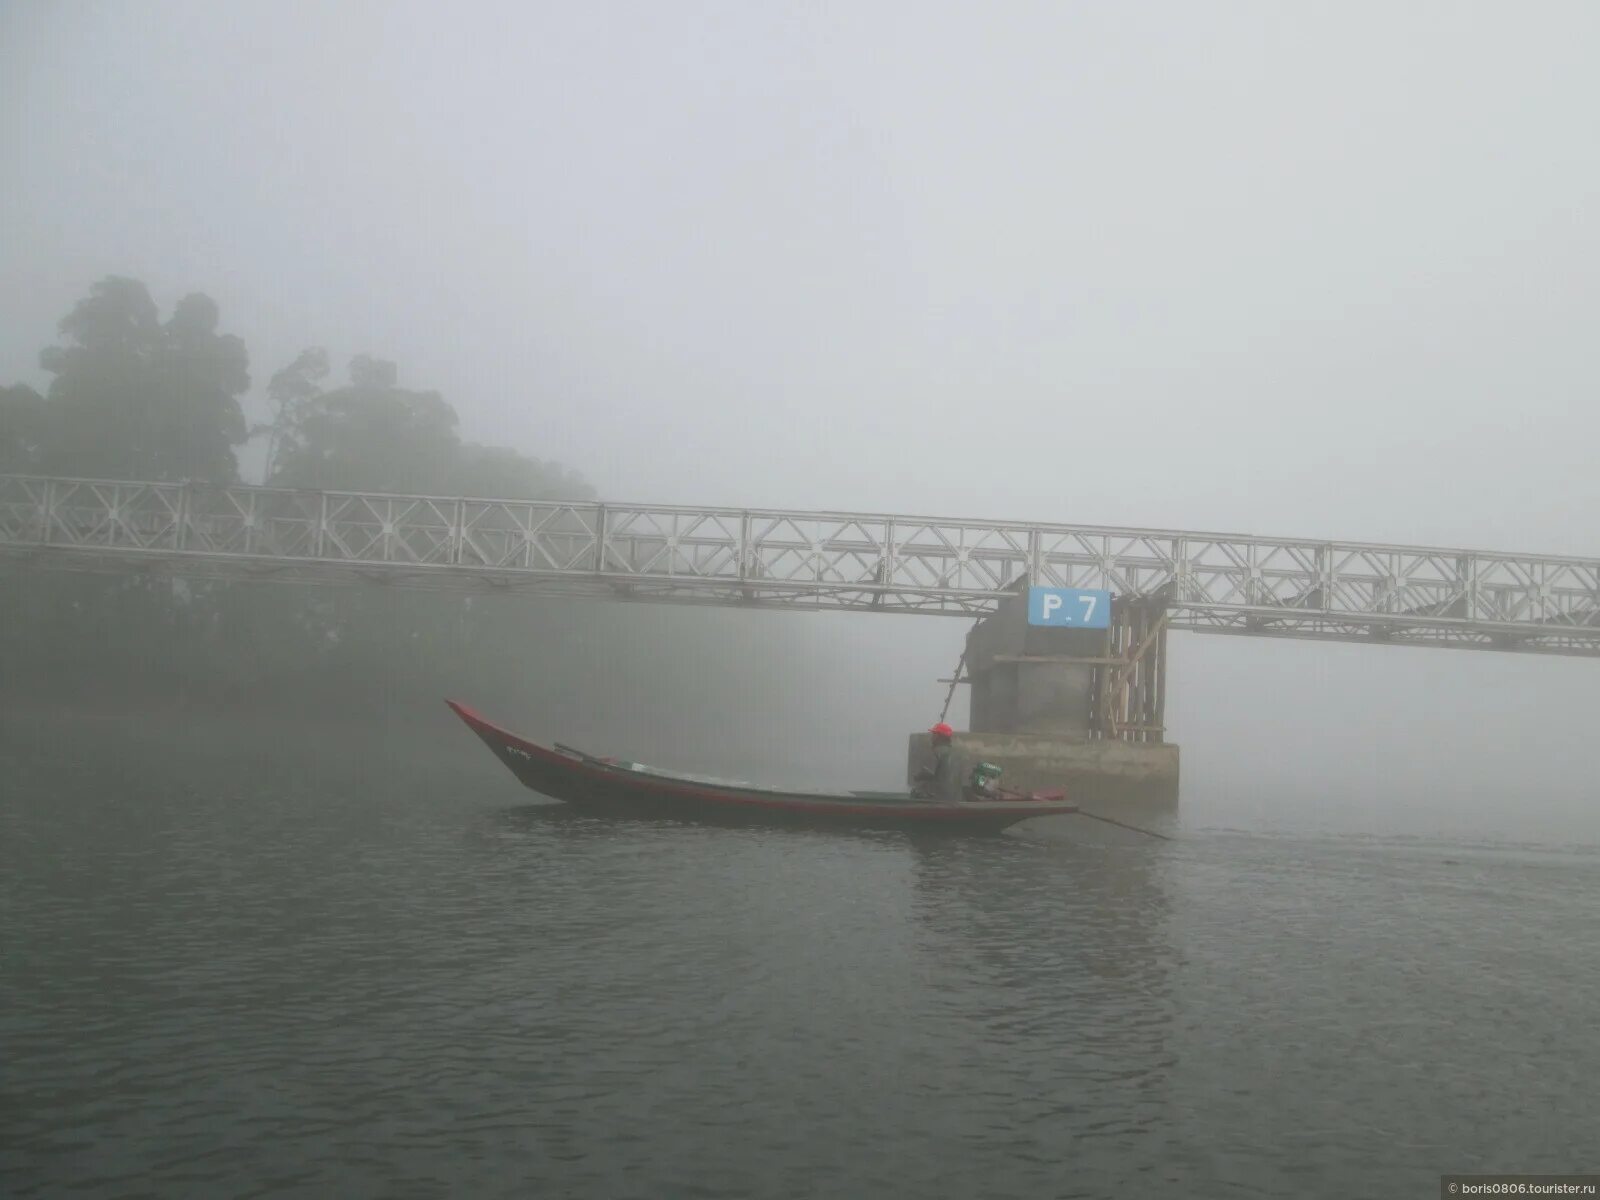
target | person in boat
x=937, y=780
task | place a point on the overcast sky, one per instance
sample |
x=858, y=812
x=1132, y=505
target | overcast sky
x=1324, y=270
x=1309, y=269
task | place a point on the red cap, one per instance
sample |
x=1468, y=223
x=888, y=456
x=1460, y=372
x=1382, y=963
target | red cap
x=942, y=730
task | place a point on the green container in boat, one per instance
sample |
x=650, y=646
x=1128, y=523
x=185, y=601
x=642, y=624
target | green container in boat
x=985, y=776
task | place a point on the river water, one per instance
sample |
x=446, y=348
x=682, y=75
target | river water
x=266, y=973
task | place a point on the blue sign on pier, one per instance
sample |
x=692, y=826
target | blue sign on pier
x=1073, y=608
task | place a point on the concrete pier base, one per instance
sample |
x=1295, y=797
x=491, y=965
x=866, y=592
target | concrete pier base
x=1093, y=773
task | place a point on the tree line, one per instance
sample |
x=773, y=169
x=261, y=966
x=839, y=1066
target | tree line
x=136, y=396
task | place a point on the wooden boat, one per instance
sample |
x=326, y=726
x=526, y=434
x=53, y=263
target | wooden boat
x=622, y=788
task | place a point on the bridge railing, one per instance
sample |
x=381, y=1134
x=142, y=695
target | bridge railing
x=1221, y=582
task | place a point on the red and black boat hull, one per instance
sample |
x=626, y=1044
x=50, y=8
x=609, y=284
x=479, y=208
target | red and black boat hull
x=597, y=786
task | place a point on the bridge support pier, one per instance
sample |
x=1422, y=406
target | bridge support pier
x=1082, y=709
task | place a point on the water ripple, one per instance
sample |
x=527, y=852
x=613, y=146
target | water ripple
x=213, y=990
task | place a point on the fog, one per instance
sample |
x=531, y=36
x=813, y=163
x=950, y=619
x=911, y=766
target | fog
x=1316, y=270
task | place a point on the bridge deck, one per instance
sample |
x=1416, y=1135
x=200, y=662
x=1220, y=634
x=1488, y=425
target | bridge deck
x=1216, y=583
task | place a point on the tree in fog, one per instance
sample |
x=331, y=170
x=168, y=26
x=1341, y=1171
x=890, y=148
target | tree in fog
x=503, y=473
x=134, y=397
x=137, y=398
x=374, y=435
x=21, y=422
x=291, y=391
x=371, y=435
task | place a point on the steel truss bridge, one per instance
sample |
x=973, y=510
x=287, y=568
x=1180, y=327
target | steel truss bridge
x=1214, y=583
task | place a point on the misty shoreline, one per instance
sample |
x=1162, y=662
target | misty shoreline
x=198, y=726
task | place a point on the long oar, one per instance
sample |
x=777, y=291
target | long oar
x=1123, y=825
x=1094, y=817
